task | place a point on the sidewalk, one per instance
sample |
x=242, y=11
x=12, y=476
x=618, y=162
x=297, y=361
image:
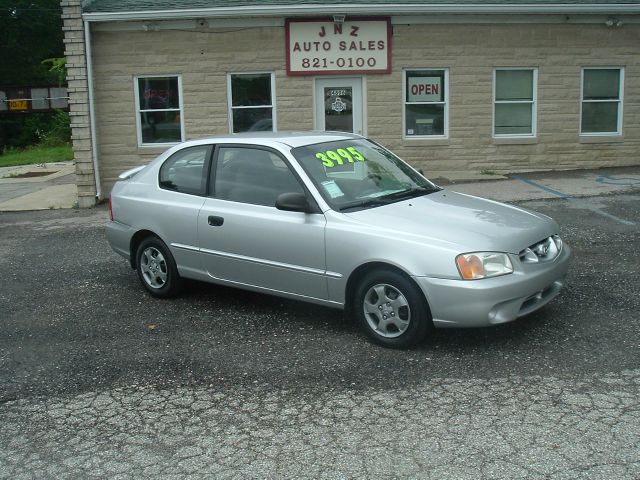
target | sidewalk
x=552, y=184
x=43, y=187
x=38, y=187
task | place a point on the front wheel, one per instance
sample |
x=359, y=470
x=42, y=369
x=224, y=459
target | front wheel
x=157, y=269
x=391, y=309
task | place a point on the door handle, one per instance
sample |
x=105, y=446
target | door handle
x=215, y=221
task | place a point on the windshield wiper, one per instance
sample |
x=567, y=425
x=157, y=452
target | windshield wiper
x=365, y=203
x=410, y=193
x=390, y=198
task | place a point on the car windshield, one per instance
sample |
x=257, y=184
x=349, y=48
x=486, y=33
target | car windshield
x=357, y=173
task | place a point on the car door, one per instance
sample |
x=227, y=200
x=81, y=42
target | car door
x=246, y=240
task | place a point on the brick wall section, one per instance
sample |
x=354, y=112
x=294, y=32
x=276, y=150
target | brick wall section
x=469, y=51
x=78, y=100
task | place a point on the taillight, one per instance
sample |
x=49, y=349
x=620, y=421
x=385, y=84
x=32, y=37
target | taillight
x=110, y=210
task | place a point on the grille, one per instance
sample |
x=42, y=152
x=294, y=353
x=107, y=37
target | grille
x=542, y=251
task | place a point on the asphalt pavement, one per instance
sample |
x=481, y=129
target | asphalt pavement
x=99, y=380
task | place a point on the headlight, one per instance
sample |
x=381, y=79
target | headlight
x=476, y=265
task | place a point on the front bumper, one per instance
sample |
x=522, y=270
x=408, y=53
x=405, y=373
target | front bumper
x=492, y=301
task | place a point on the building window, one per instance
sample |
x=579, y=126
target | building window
x=602, y=93
x=159, y=110
x=251, y=100
x=426, y=94
x=514, y=104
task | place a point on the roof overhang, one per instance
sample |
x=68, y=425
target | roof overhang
x=363, y=9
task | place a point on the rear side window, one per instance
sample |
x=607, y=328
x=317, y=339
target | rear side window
x=186, y=171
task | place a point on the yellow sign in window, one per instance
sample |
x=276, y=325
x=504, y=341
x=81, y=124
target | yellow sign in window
x=18, y=105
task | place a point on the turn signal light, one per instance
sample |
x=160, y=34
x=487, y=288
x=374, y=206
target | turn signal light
x=470, y=267
x=473, y=266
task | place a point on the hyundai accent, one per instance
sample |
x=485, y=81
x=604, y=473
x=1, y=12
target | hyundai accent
x=334, y=219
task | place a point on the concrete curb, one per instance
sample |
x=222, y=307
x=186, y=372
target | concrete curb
x=49, y=198
x=54, y=170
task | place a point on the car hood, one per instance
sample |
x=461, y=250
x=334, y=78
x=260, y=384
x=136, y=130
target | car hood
x=470, y=223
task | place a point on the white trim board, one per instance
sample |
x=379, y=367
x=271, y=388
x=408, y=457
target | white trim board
x=363, y=9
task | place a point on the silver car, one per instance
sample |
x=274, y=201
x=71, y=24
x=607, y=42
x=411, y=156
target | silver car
x=338, y=220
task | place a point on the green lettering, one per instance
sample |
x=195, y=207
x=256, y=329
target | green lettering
x=325, y=161
x=335, y=157
x=356, y=154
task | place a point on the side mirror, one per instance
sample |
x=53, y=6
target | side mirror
x=293, y=202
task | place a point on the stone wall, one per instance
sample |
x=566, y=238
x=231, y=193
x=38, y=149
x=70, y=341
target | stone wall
x=78, y=100
x=470, y=52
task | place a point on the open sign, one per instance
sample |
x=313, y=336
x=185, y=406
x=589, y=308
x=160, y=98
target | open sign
x=425, y=89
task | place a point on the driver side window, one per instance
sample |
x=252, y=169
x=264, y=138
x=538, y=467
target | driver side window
x=251, y=175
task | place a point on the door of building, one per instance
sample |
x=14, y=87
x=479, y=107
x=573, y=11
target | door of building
x=339, y=104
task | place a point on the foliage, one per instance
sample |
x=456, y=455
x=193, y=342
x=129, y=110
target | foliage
x=46, y=128
x=58, y=67
x=58, y=131
x=30, y=31
x=38, y=154
x=32, y=53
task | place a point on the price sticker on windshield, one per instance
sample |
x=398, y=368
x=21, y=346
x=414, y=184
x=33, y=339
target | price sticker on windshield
x=340, y=156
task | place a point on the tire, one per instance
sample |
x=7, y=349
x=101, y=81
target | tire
x=391, y=310
x=157, y=269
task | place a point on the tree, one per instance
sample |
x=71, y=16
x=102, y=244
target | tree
x=30, y=32
x=31, y=51
x=58, y=67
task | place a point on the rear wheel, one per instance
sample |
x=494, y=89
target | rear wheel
x=391, y=309
x=156, y=268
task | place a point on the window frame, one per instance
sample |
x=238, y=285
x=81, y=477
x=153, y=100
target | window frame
x=231, y=107
x=620, y=101
x=180, y=109
x=445, y=134
x=533, y=102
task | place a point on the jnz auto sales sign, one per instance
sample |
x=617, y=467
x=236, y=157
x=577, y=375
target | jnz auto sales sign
x=329, y=48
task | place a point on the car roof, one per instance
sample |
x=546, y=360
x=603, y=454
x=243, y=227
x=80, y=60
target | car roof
x=292, y=139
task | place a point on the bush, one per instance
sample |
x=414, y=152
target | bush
x=58, y=131
x=29, y=129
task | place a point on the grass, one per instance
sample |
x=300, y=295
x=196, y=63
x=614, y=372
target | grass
x=37, y=154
